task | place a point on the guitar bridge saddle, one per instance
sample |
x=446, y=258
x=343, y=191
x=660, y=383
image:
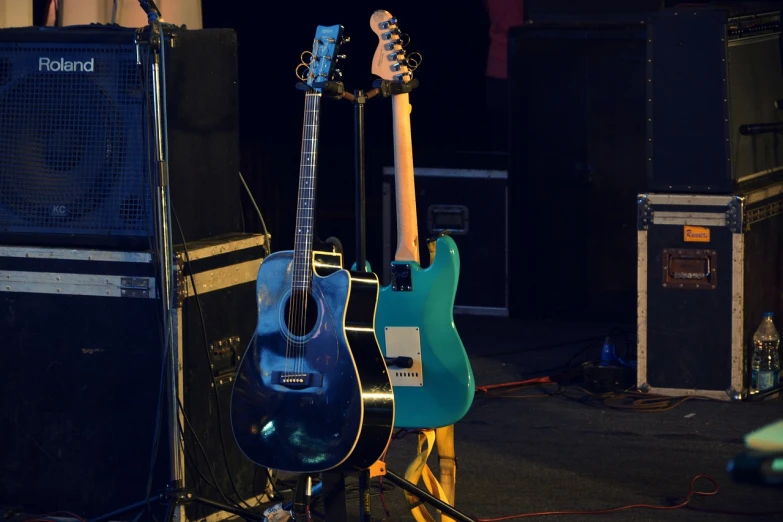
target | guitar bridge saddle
x=404, y=341
x=297, y=381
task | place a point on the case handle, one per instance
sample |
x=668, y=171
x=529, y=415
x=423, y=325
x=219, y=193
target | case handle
x=690, y=268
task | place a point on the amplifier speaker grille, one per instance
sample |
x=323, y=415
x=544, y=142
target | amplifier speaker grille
x=74, y=156
x=76, y=134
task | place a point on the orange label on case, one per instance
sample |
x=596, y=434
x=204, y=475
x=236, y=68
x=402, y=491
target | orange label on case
x=696, y=234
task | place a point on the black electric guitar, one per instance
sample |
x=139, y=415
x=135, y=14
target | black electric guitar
x=313, y=392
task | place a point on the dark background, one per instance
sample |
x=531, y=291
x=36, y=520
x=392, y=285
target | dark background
x=448, y=107
x=574, y=86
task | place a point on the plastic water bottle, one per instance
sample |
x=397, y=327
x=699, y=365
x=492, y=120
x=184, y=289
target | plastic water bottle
x=765, y=366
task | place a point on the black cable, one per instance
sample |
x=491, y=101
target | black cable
x=158, y=419
x=189, y=456
x=267, y=237
x=513, y=351
x=273, y=483
x=206, y=352
x=204, y=454
x=166, y=328
x=58, y=13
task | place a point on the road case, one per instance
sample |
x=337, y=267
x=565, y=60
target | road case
x=472, y=205
x=709, y=266
x=81, y=364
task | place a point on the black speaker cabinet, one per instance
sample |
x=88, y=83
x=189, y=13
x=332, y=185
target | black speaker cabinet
x=715, y=78
x=548, y=11
x=576, y=165
x=81, y=365
x=79, y=159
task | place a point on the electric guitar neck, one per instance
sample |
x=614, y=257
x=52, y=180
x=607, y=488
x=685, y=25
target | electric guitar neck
x=405, y=188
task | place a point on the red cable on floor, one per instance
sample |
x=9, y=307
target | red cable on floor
x=692, y=493
x=536, y=380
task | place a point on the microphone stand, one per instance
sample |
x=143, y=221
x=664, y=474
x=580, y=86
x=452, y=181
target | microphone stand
x=153, y=13
x=175, y=494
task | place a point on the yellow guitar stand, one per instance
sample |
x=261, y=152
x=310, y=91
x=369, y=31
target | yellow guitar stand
x=333, y=491
x=419, y=469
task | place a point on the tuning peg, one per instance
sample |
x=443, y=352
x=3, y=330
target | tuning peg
x=338, y=73
x=341, y=57
x=346, y=39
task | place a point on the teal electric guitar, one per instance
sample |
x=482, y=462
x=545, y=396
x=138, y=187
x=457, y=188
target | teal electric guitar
x=414, y=318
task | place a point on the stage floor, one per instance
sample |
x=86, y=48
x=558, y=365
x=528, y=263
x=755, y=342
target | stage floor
x=524, y=450
x=541, y=448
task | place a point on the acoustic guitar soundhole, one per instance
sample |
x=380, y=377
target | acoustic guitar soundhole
x=301, y=313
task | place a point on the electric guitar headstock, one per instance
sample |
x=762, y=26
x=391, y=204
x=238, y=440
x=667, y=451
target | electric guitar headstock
x=390, y=62
x=319, y=66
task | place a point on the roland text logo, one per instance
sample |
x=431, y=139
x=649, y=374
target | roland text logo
x=693, y=234
x=63, y=65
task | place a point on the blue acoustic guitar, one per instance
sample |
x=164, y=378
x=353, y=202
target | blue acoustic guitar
x=312, y=391
x=415, y=317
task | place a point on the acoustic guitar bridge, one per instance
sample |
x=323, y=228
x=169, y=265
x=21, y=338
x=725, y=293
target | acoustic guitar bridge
x=298, y=381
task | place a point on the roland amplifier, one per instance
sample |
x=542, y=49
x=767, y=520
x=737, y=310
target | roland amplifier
x=79, y=161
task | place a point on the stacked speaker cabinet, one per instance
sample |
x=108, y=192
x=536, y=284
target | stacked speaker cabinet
x=576, y=165
x=714, y=99
x=81, y=350
x=709, y=229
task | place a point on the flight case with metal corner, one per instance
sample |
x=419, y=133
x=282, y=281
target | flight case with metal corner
x=81, y=363
x=472, y=204
x=709, y=266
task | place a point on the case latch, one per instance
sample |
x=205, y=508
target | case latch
x=735, y=215
x=138, y=287
x=224, y=358
x=644, y=212
x=182, y=282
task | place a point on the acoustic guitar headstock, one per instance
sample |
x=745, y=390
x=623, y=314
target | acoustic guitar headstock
x=322, y=64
